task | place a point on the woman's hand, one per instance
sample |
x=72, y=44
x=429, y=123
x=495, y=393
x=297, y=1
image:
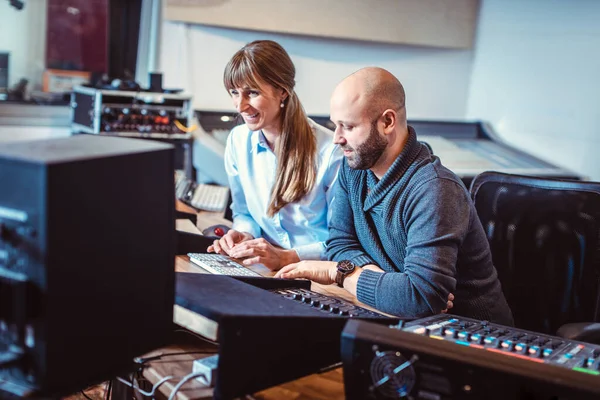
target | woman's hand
x=228, y=242
x=260, y=251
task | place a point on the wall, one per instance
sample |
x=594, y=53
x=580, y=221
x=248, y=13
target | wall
x=10, y=133
x=193, y=57
x=536, y=78
x=418, y=23
x=534, y=72
x=22, y=34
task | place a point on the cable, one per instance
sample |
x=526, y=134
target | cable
x=143, y=360
x=108, y=390
x=196, y=335
x=184, y=381
x=330, y=368
x=151, y=393
x=18, y=4
x=85, y=395
x=185, y=128
x=9, y=357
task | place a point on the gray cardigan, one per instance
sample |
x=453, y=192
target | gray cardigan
x=420, y=226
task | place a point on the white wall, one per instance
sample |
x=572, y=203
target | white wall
x=23, y=35
x=10, y=133
x=436, y=80
x=536, y=78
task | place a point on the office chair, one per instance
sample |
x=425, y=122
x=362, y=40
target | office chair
x=544, y=236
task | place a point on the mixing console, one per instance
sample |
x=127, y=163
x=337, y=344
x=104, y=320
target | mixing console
x=449, y=357
x=512, y=342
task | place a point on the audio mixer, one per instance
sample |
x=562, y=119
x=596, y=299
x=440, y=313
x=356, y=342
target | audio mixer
x=131, y=113
x=451, y=357
x=511, y=342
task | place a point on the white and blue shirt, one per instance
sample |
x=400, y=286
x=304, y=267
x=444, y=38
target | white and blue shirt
x=251, y=167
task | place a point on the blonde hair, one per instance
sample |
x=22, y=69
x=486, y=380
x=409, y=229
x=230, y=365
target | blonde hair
x=265, y=61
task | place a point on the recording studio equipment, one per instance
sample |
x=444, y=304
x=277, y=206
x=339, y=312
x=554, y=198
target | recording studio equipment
x=18, y=4
x=158, y=116
x=86, y=260
x=199, y=195
x=188, y=242
x=131, y=113
x=451, y=357
x=220, y=264
x=187, y=215
x=269, y=330
x=466, y=148
x=3, y=76
x=155, y=82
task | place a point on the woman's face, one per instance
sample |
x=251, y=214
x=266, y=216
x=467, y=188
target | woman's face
x=259, y=106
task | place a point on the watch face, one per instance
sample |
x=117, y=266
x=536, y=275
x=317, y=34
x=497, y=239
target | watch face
x=345, y=266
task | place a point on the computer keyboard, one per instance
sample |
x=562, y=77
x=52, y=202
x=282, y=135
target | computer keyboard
x=199, y=195
x=210, y=197
x=220, y=265
x=327, y=304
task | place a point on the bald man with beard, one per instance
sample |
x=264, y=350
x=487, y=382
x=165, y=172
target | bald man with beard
x=404, y=233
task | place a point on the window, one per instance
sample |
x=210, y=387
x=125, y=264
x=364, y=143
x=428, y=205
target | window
x=49, y=46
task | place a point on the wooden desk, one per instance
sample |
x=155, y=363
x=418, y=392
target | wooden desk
x=205, y=218
x=183, y=264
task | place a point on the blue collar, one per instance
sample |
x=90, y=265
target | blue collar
x=259, y=142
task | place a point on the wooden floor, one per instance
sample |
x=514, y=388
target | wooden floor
x=325, y=386
x=96, y=393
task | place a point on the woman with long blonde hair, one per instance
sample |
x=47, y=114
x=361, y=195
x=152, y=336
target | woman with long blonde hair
x=281, y=165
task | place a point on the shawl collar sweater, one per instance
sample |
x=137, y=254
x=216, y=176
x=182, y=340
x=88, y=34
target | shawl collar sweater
x=419, y=225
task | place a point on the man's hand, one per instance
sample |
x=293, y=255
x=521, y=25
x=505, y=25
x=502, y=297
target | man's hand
x=449, y=303
x=260, y=251
x=323, y=272
x=228, y=241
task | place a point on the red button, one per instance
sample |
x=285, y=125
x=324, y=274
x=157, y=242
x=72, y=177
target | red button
x=219, y=232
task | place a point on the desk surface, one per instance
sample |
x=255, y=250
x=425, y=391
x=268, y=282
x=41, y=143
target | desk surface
x=183, y=264
x=205, y=218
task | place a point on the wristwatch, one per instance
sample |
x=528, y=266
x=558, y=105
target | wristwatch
x=344, y=268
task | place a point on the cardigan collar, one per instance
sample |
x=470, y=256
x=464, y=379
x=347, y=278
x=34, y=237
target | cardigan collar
x=377, y=189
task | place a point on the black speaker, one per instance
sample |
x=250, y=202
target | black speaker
x=155, y=82
x=87, y=252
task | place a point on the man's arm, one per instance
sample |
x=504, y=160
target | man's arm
x=437, y=218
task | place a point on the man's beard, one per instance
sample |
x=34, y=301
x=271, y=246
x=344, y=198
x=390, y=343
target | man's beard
x=367, y=153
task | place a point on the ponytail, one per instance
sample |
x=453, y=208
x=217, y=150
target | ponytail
x=296, y=151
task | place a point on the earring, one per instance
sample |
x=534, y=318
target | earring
x=282, y=105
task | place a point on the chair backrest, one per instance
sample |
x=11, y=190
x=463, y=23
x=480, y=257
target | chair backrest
x=544, y=236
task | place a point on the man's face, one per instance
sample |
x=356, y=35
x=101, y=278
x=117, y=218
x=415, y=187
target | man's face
x=357, y=134
x=365, y=154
